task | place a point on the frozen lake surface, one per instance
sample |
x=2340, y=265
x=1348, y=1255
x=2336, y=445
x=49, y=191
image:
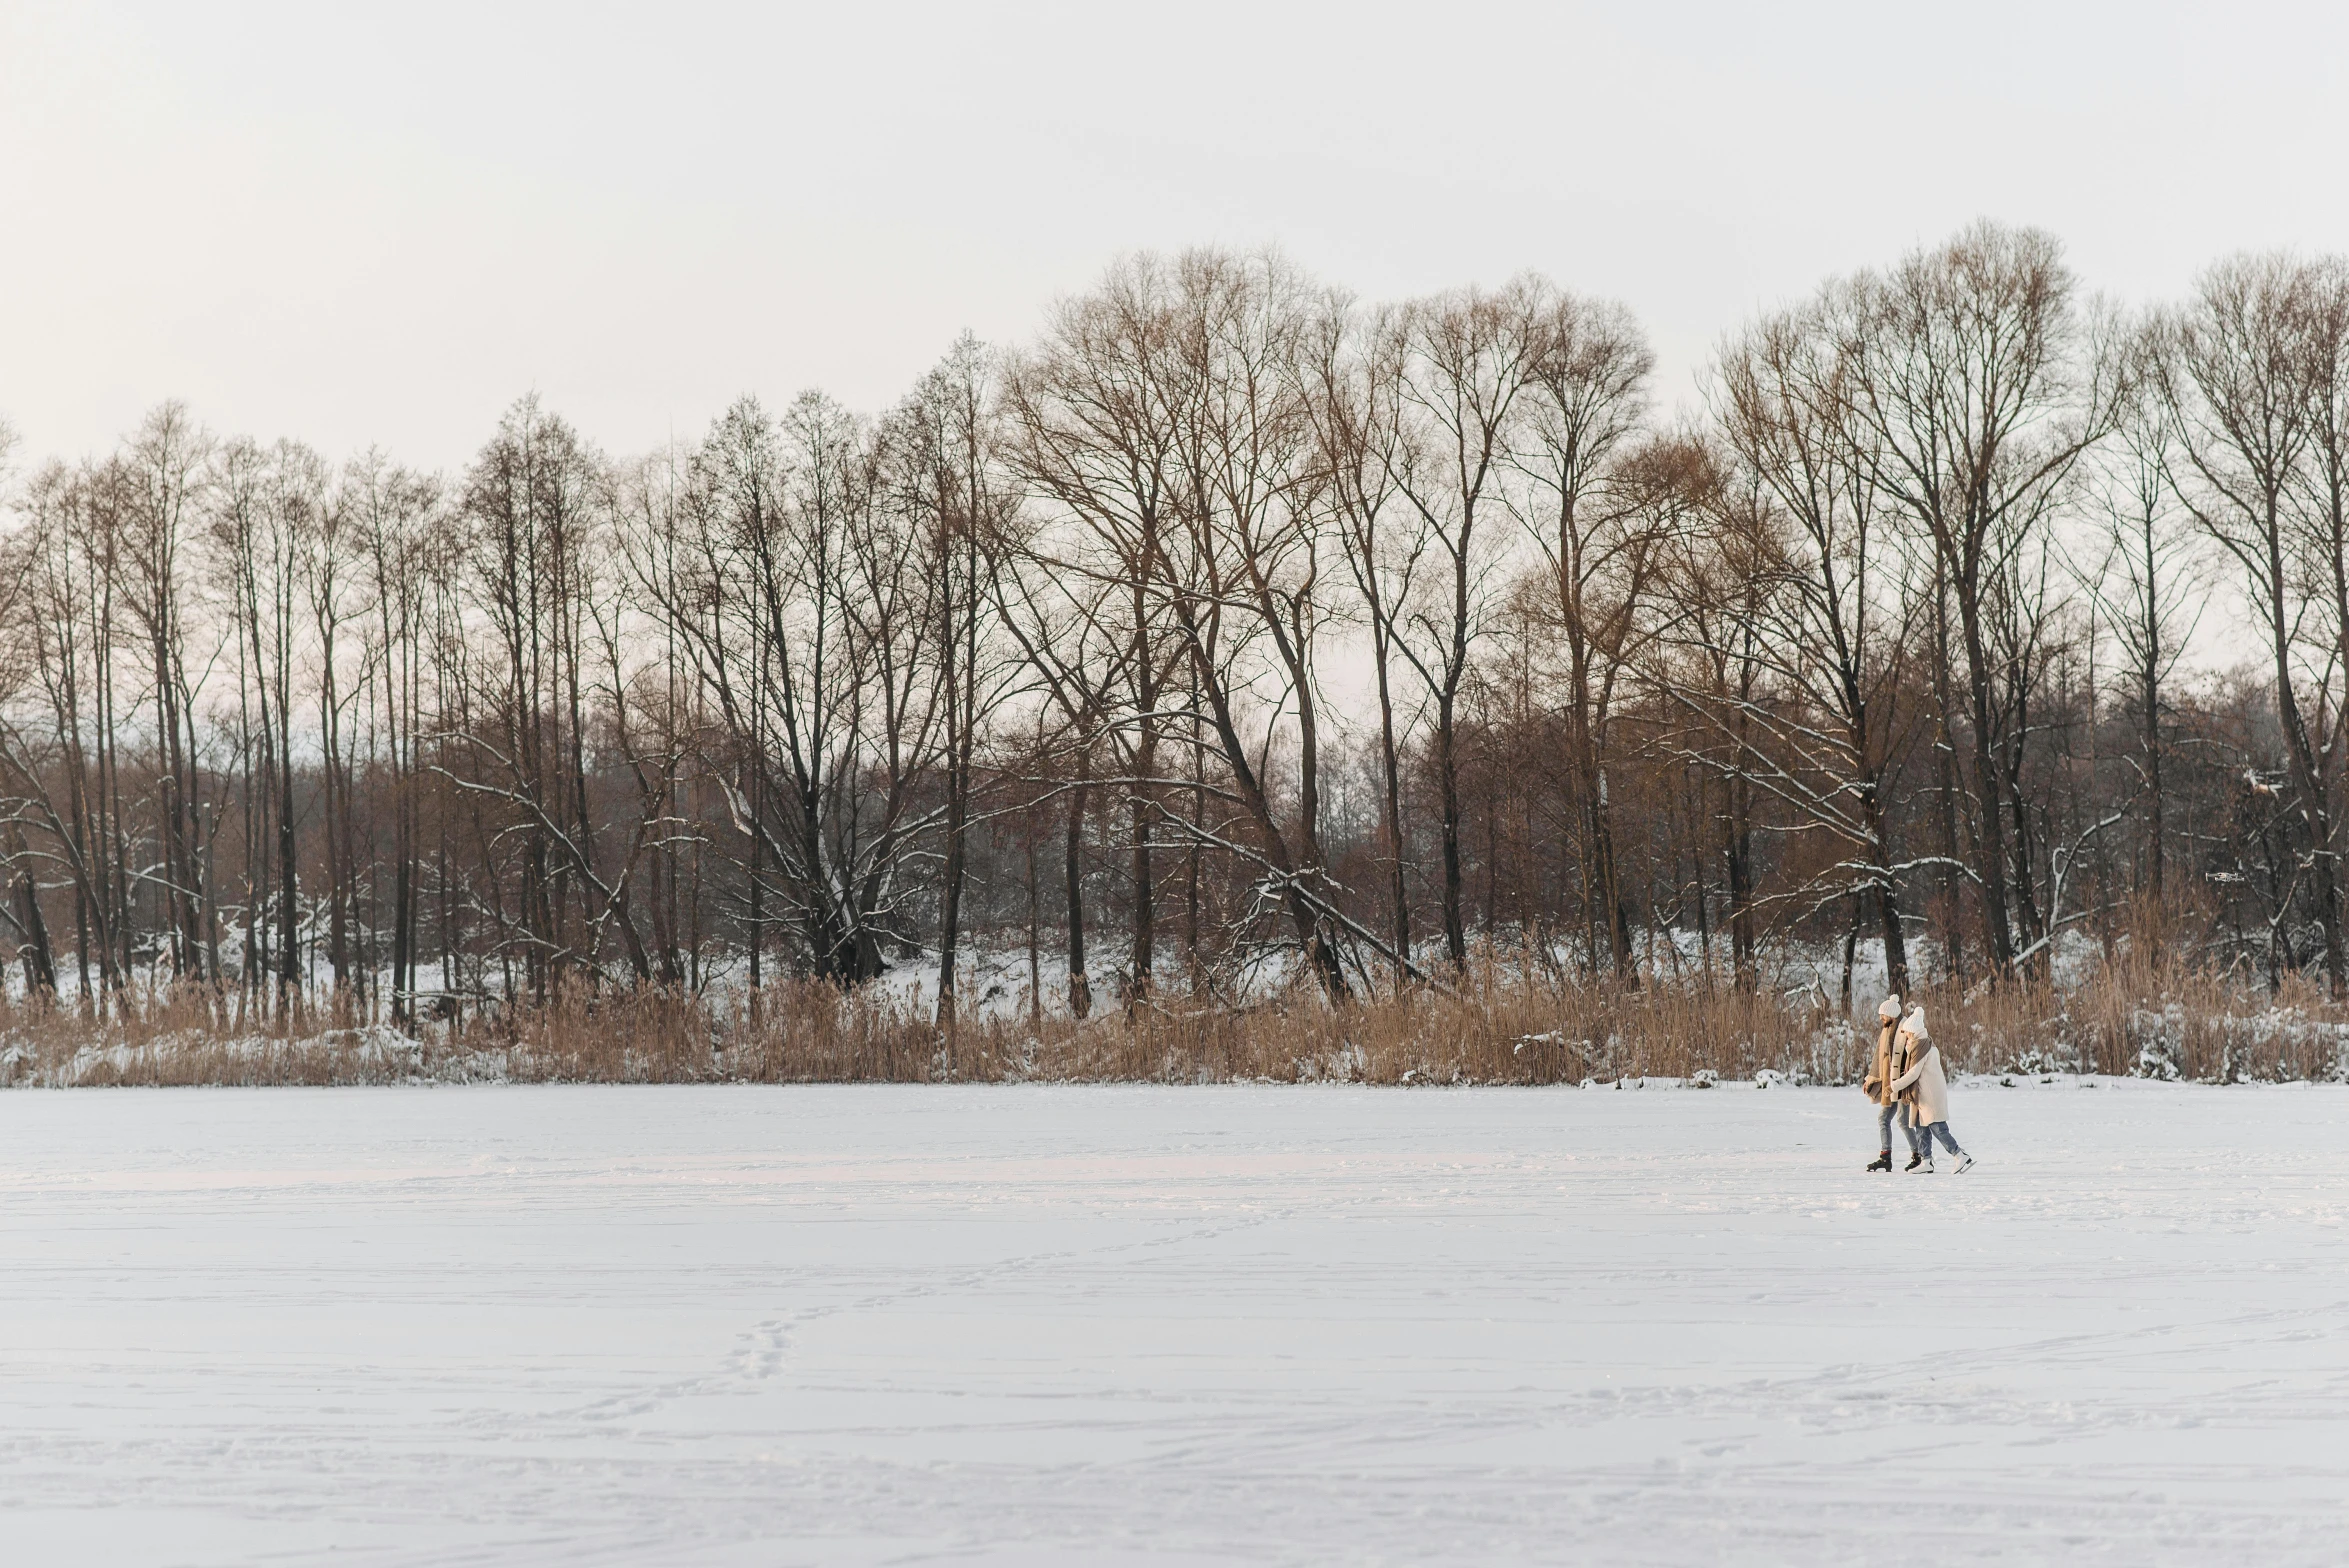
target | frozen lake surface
x=1145, y=1326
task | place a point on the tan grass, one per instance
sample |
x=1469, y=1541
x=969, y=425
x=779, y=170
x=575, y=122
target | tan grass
x=1508, y=1024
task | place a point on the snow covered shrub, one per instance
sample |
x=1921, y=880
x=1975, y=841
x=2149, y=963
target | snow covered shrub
x=2160, y=1037
x=2051, y=1051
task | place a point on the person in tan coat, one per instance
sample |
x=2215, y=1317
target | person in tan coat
x=1888, y=1064
x=1926, y=1087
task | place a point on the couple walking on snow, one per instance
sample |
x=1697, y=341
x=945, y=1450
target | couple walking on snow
x=1907, y=1085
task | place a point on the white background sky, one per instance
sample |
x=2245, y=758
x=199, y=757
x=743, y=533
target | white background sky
x=381, y=224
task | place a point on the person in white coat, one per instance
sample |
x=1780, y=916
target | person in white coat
x=1926, y=1088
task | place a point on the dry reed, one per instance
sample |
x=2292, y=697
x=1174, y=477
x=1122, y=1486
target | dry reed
x=1508, y=1024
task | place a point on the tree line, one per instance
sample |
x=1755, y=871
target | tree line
x=1231, y=631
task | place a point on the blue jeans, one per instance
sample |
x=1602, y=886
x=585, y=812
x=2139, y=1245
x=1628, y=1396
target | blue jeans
x=1925, y=1139
x=1884, y=1116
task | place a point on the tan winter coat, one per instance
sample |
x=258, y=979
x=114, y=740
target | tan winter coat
x=1925, y=1086
x=1889, y=1064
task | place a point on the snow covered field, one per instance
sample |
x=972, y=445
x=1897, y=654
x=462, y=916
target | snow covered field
x=1148, y=1326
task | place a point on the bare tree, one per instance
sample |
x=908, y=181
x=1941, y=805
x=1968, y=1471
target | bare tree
x=398, y=526
x=1977, y=394
x=532, y=502
x=2147, y=584
x=811, y=624
x=155, y=488
x=1093, y=433
x=1600, y=523
x=1355, y=403
x=2241, y=379
x=945, y=471
x=1833, y=640
x=1462, y=362
x=1242, y=580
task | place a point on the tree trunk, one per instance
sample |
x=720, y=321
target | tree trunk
x=1080, y=984
x=1448, y=790
x=1990, y=856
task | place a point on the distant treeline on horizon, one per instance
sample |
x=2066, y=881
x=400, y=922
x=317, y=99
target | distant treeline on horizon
x=1883, y=647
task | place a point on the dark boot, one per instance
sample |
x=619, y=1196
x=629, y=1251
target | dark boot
x=1883, y=1162
x=1915, y=1160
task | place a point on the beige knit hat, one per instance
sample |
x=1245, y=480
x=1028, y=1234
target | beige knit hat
x=1889, y=1008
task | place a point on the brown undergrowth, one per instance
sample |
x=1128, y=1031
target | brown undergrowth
x=1507, y=1024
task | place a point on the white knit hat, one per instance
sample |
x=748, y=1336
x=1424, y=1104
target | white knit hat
x=1915, y=1024
x=1889, y=1008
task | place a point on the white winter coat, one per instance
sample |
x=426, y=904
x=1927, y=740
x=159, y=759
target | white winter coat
x=1932, y=1088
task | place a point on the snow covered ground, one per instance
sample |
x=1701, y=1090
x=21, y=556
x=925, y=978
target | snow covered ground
x=1148, y=1326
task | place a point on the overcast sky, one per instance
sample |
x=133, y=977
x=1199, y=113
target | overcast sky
x=381, y=224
